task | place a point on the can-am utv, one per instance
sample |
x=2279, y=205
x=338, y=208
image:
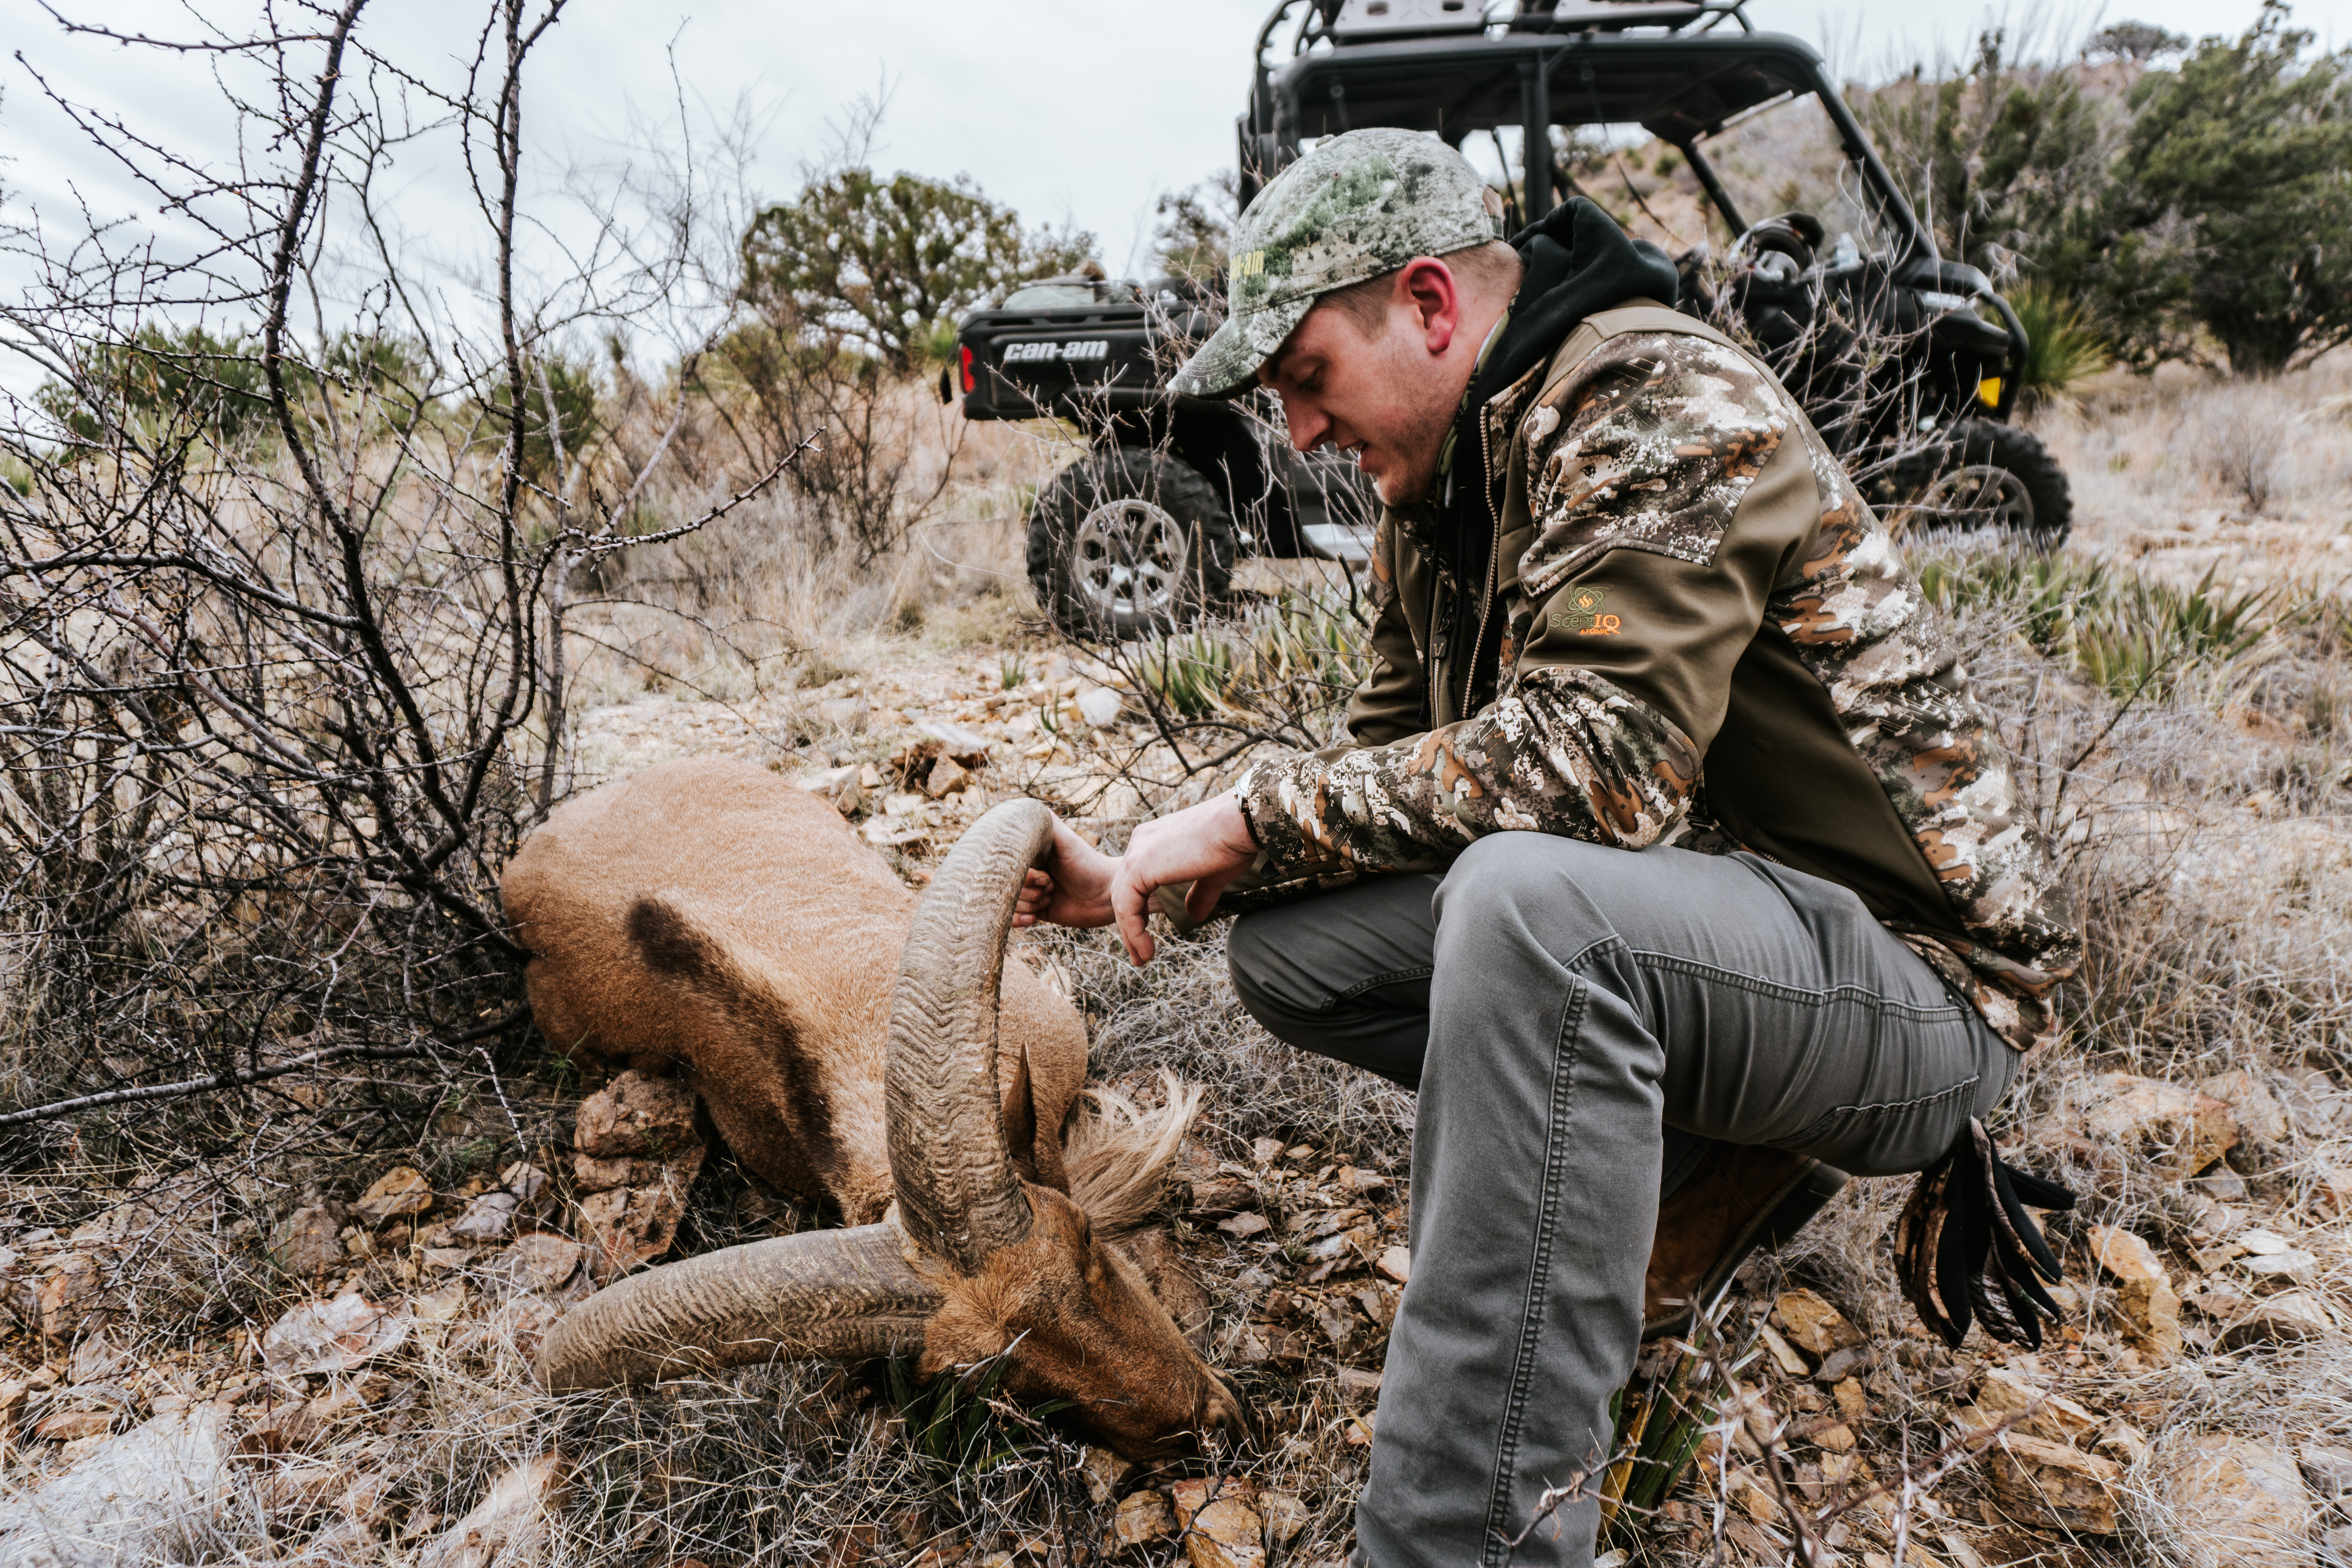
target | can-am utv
x=1907, y=363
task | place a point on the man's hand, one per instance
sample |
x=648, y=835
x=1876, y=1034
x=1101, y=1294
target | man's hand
x=1207, y=845
x=1072, y=888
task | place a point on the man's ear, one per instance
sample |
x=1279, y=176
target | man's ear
x=1427, y=287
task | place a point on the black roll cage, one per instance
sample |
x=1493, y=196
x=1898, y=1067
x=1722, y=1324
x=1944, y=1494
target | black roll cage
x=1563, y=64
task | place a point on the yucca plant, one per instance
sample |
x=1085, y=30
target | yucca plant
x=1661, y=1416
x=956, y=1421
x=1190, y=671
x=2062, y=345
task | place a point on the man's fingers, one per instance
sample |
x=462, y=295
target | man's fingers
x=1130, y=907
x=1202, y=901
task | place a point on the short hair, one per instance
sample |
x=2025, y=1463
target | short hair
x=1492, y=267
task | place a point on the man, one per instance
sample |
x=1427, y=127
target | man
x=1668, y=851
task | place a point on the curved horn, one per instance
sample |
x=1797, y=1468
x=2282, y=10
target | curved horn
x=840, y=1295
x=957, y=1193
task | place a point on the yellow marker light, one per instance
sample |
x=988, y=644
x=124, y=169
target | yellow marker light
x=1989, y=391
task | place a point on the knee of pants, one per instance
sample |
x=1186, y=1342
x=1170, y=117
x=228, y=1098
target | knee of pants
x=1264, y=978
x=1537, y=883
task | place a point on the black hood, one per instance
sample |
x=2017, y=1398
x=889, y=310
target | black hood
x=1578, y=263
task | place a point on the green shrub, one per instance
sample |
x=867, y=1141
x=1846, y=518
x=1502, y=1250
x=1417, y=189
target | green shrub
x=2134, y=636
x=2062, y=345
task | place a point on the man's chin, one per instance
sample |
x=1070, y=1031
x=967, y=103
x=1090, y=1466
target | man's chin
x=1401, y=490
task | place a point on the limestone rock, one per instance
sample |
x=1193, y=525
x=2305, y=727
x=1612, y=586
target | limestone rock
x=2041, y=1481
x=1104, y=1472
x=946, y=777
x=542, y=1262
x=2041, y=1413
x=1221, y=1524
x=508, y=1526
x=489, y=1218
x=638, y=1117
x=1811, y=1324
x=341, y=1335
x=627, y=1226
x=2144, y=1293
x=2236, y=1502
x=399, y=1192
x=2178, y=1130
x=2328, y=1470
x=1395, y=1263
x=2290, y=1317
x=2259, y=1115
x=1143, y=1517
x=308, y=1244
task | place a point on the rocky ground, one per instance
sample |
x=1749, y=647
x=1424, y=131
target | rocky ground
x=372, y=1403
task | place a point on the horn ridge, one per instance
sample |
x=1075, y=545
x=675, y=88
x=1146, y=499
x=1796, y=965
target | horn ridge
x=959, y=1195
x=839, y=1295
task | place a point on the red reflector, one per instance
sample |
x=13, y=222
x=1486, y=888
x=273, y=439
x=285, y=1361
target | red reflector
x=969, y=383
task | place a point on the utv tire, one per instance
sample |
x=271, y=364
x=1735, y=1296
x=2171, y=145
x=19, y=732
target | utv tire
x=1127, y=541
x=1985, y=478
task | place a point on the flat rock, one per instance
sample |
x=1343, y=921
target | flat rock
x=339, y=1335
x=2042, y=1413
x=542, y=1262
x=1811, y=1324
x=2235, y=1502
x=2178, y=1130
x=1143, y=1518
x=638, y=1117
x=399, y=1192
x=1222, y=1527
x=2145, y=1296
x=1394, y=1263
x=489, y=1218
x=628, y=1227
x=2044, y=1482
x=2327, y=1468
x=308, y=1244
x=2259, y=1115
x=508, y=1526
x=2290, y=1317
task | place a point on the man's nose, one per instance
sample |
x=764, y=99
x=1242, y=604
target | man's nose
x=1309, y=424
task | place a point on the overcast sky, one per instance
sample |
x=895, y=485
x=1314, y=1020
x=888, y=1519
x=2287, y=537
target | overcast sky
x=1071, y=110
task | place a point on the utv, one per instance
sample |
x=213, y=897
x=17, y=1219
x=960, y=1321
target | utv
x=1909, y=364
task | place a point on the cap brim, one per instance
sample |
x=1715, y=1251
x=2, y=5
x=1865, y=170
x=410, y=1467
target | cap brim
x=1228, y=363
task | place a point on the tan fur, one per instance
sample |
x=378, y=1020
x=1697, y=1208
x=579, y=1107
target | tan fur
x=1089, y=1332
x=783, y=931
x=1118, y=1153
x=706, y=915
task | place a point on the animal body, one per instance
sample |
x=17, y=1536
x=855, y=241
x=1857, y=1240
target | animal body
x=850, y=1041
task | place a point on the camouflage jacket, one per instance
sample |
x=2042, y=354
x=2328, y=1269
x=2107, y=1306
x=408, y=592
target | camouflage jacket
x=1697, y=633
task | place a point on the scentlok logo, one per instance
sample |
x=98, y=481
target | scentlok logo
x=1583, y=616
x=1031, y=353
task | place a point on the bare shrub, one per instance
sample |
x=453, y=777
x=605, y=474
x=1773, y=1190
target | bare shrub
x=279, y=693
x=2242, y=431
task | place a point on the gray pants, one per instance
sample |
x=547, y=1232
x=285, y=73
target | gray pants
x=1565, y=1010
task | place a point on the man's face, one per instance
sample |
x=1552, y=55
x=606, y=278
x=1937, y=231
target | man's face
x=1386, y=395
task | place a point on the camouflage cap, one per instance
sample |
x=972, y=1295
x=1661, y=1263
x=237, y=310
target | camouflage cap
x=1360, y=205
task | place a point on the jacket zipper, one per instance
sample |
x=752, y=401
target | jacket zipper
x=1493, y=564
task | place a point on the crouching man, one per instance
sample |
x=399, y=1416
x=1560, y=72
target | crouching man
x=1670, y=855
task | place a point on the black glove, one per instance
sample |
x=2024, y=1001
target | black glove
x=1965, y=1248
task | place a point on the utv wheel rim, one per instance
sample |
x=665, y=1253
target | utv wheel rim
x=1129, y=559
x=1976, y=498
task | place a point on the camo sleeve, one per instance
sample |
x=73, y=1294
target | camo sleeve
x=1627, y=615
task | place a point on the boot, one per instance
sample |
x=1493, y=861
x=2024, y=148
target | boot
x=1739, y=1199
